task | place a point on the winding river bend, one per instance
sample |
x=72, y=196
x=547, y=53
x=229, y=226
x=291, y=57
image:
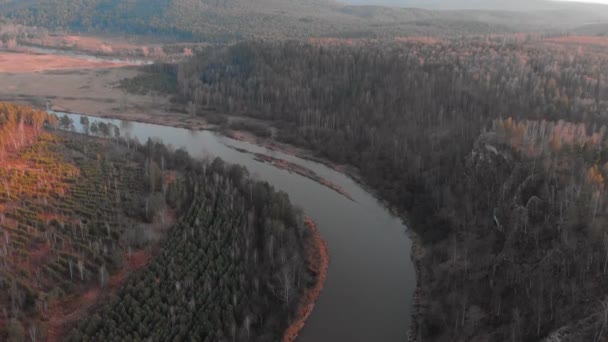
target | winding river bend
x=371, y=279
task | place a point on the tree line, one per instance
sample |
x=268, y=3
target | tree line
x=228, y=21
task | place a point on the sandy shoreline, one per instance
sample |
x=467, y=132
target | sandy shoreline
x=318, y=262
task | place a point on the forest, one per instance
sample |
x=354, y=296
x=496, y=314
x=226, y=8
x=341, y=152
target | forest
x=232, y=268
x=229, y=21
x=493, y=148
x=93, y=218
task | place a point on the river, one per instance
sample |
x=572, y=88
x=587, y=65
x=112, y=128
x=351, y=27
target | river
x=369, y=290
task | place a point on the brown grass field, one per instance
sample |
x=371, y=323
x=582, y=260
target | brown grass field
x=11, y=62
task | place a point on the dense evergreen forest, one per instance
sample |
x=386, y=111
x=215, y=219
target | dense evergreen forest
x=508, y=211
x=232, y=268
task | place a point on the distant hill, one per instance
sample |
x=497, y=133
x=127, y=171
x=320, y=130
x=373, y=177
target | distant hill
x=502, y=5
x=600, y=29
x=233, y=20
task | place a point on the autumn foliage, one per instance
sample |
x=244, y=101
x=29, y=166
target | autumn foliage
x=318, y=263
x=62, y=221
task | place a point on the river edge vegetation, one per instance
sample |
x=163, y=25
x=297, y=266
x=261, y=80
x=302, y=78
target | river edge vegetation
x=512, y=127
x=197, y=241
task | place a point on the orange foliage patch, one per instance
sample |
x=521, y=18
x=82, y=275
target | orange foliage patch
x=170, y=177
x=418, y=39
x=361, y=41
x=318, y=262
x=337, y=41
x=534, y=137
x=589, y=45
x=136, y=261
x=580, y=40
x=595, y=177
x=16, y=163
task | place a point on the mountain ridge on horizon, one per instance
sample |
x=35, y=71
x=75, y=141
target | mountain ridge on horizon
x=222, y=21
x=511, y=5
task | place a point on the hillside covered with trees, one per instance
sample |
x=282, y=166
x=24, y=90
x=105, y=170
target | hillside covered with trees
x=235, y=20
x=508, y=211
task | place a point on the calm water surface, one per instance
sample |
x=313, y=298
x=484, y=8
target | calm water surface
x=371, y=279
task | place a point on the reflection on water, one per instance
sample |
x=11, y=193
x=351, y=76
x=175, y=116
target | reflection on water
x=371, y=280
x=193, y=132
x=125, y=125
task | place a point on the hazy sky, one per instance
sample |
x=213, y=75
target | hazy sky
x=595, y=1
x=466, y=3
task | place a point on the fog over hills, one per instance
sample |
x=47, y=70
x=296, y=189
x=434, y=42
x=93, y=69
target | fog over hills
x=511, y=5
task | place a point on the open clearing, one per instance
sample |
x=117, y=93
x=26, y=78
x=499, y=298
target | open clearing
x=82, y=86
x=24, y=62
x=85, y=90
